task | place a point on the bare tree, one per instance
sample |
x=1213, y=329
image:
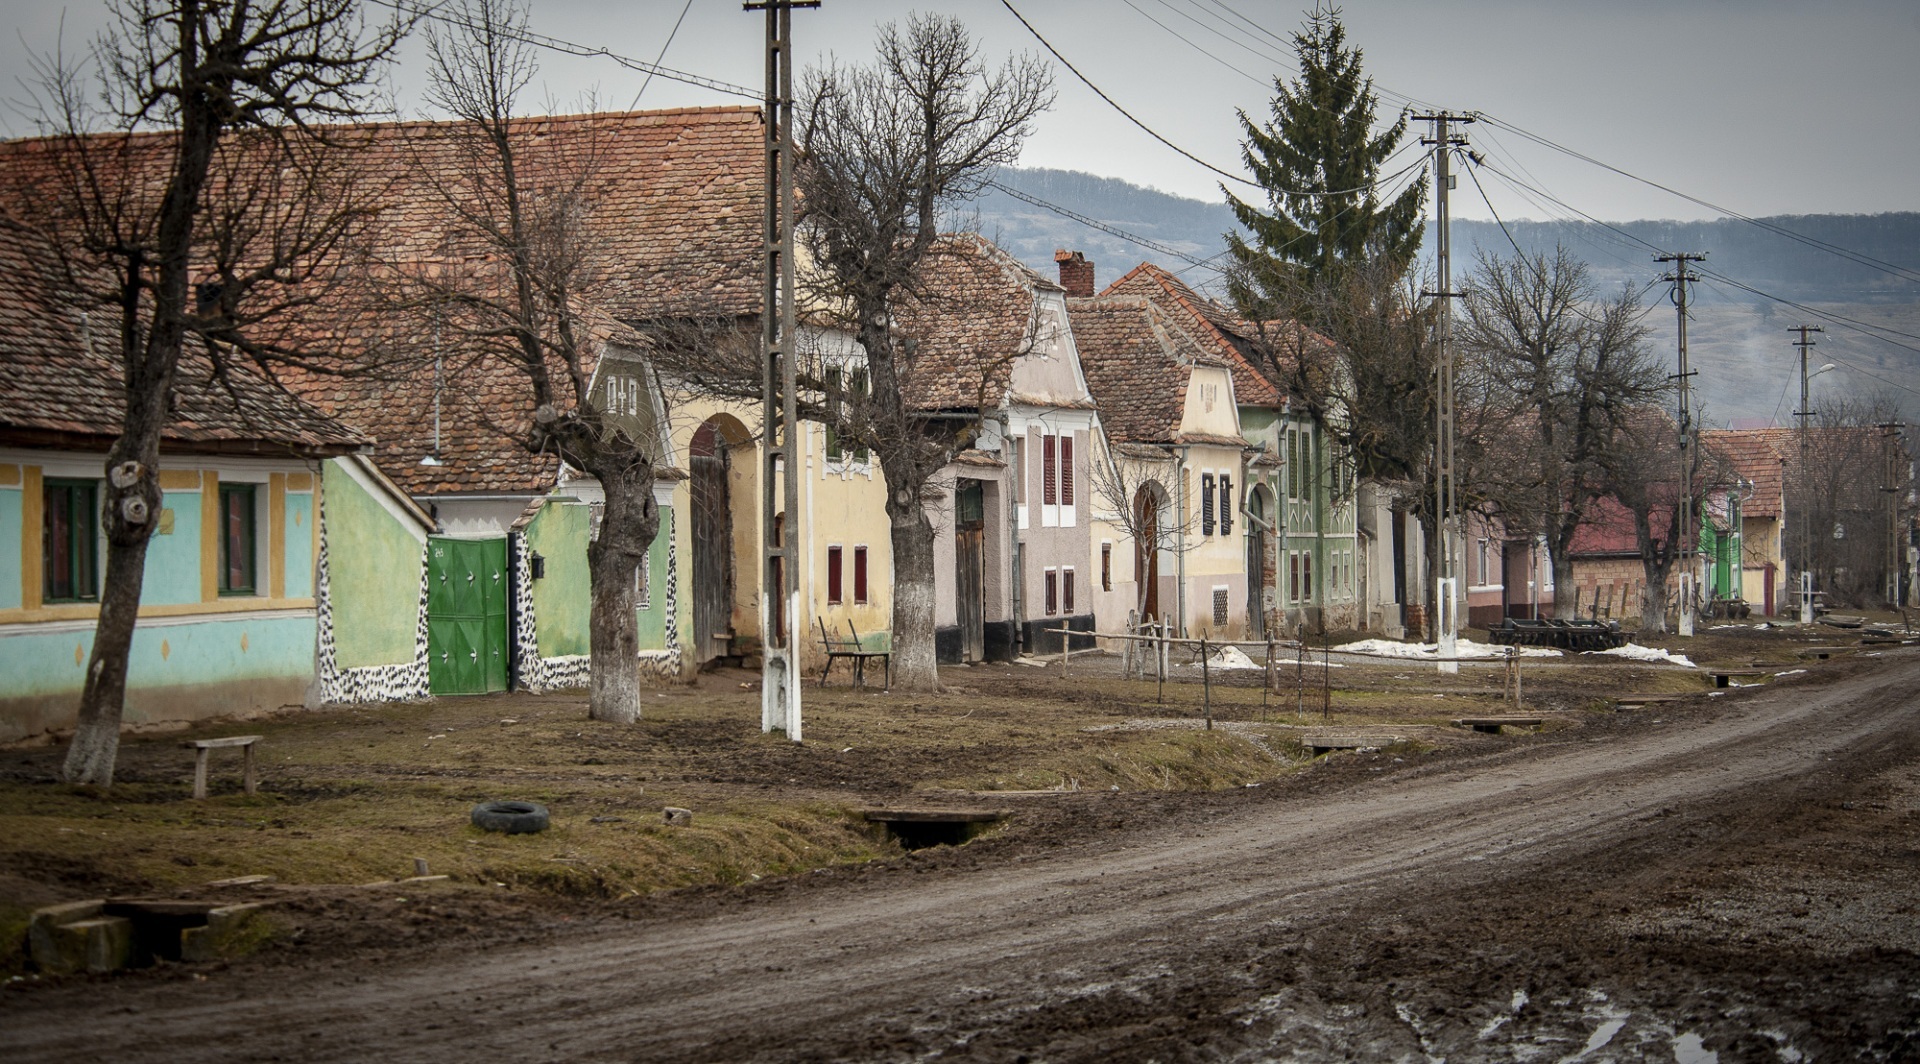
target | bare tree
x=1838, y=501
x=1644, y=475
x=888, y=152
x=196, y=201
x=1124, y=477
x=1573, y=368
x=513, y=286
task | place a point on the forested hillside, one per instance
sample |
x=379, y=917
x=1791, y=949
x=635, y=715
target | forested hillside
x=1738, y=337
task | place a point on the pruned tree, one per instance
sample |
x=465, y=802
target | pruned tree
x=888, y=151
x=1644, y=475
x=1319, y=157
x=1572, y=368
x=512, y=287
x=184, y=179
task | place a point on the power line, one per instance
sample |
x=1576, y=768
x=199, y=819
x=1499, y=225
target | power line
x=1095, y=223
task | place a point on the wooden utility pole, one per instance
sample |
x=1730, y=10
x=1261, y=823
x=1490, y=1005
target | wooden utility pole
x=780, y=621
x=1890, y=433
x=1806, y=500
x=1444, y=582
x=1689, y=580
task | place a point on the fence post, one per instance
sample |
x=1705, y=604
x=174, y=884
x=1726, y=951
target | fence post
x=1160, y=658
x=1206, y=682
x=1128, y=653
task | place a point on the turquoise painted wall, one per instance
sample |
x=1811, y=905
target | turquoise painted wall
x=173, y=560
x=374, y=576
x=234, y=655
x=563, y=598
x=299, y=526
x=10, y=532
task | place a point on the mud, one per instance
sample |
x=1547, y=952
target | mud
x=1741, y=882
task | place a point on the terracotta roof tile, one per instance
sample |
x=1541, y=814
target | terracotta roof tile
x=63, y=377
x=974, y=319
x=1225, y=335
x=1137, y=362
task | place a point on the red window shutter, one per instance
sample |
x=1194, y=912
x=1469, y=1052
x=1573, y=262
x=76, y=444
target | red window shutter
x=833, y=576
x=1066, y=470
x=1049, y=469
x=860, y=574
x=1066, y=591
x=1053, y=592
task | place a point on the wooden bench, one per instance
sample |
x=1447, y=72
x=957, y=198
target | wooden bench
x=1725, y=677
x=200, y=748
x=1492, y=725
x=1823, y=653
x=856, y=652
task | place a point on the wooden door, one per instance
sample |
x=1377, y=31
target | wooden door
x=970, y=584
x=712, y=544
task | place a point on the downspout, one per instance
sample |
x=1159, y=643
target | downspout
x=1016, y=497
x=1180, y=555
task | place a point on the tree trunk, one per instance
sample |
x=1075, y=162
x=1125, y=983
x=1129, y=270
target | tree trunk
x=132, y=498
x=915, y=664
x=628, y=524
x=1566, y=602
x=1429, y=584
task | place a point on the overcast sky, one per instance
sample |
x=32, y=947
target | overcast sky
x=1761, y=106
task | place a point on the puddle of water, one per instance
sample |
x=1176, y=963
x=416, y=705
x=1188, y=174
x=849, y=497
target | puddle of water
x=1688, y=1049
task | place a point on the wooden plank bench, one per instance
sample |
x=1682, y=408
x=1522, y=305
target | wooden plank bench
x=1725, y=677
x=1823, y=653
x=1492, y=725
x=856, y=652
x=1327, y=742
x=202, y=746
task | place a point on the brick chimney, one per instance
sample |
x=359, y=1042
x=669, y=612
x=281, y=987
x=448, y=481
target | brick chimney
x=1076, y=273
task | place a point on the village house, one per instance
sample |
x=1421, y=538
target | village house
x=1172, y=540
x=236, y=612
x=1320, y=569
x=1012, y=513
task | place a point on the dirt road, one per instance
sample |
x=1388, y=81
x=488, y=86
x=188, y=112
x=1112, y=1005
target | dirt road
x=1741, y=885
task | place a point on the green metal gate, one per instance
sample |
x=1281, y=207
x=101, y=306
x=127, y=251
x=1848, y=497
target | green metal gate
x=466, y=615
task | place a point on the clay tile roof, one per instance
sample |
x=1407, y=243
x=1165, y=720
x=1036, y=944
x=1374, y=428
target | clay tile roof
x=1137, y=363
x=1225, y=335
x=62, y=374
x=1756, y=455
x=974, y=317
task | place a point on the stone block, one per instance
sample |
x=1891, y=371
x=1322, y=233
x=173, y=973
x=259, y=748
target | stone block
x=74, y=938
x=678, y=817
x=227, y=927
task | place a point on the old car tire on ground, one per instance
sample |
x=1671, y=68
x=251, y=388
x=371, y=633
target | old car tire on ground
x=513, y=818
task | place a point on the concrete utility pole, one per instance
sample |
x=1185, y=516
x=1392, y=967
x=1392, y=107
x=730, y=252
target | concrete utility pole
x=1445, y=583
x=1679, y=278
x=1806, y=516
x=780, y=621
x=1890, y=433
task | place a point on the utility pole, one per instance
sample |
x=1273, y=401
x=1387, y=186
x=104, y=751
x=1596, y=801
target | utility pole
x=1806, y=500
x=1445, y=583
x=1679, y=278
x=780, y=622
x=1890, y=431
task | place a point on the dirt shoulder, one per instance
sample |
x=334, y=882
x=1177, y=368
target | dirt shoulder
x=1736, y=880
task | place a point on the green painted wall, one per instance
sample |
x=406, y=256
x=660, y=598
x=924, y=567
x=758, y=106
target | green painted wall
x=299, y=526
x=653, y=619
x=374, y=576
x=10, y=533
x=173, y=559
x=563, y=598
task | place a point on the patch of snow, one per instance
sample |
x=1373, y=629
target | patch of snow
x=1689, y=1049
x=1465, y=648
x=1232, y=658
x=1790, y=672
x=1636, y=652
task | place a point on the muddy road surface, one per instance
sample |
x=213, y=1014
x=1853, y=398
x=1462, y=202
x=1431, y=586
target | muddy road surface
x=1741, y=884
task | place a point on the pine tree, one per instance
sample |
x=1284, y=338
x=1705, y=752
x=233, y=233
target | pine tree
x=1319, y=160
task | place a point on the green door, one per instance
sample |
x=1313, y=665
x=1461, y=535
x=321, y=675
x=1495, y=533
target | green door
x=466, y=616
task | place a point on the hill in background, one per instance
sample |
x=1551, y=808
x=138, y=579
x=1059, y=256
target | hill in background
x=1737, y=339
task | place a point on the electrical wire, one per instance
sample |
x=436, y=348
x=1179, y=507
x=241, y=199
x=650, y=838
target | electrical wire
x=1095, y=223
x=657, y=60
x=555, y=44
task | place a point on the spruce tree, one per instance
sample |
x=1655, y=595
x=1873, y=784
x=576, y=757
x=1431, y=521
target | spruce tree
x=1319, y=159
